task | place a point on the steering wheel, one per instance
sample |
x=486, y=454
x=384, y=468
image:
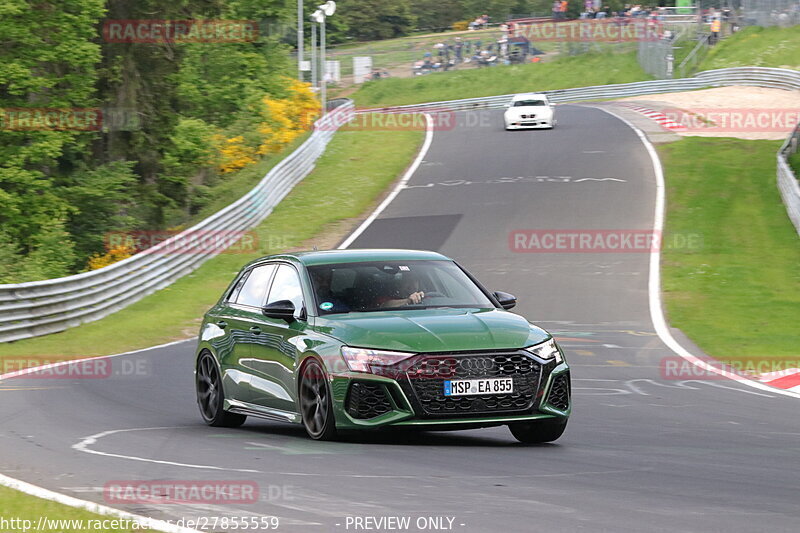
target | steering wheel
x=433, y=294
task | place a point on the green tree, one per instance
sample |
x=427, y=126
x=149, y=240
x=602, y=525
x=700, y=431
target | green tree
x=47, y=62
x=377, y=19
x=52, y=254
x=437, y=15
x=100, y=202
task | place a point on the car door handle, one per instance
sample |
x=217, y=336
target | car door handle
x=255, y=329
x=222, y=324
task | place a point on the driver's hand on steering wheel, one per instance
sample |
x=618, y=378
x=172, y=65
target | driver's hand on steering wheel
x=416, y=297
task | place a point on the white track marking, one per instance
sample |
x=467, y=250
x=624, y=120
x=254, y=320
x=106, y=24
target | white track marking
x=399, y=187
x=83, y=446
x=654, y=284
x=63, y=499
x=34, y=369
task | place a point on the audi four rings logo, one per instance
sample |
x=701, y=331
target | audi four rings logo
x=476, y=364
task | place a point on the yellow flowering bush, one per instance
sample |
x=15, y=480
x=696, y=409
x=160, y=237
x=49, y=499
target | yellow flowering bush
x=279, y=122
x=233, y=153
x=283, y=120
x=114, y=254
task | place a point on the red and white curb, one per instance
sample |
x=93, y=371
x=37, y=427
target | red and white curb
x=788, y=379
x=658, y=117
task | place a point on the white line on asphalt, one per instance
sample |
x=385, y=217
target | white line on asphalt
x=83, y=446
x=69, y=501
x=63, y=499
x=654, y=284
x=33, y=369
x=399, y=187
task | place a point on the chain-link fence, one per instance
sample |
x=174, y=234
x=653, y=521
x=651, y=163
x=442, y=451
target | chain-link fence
x=656, y=57
x=770, y=12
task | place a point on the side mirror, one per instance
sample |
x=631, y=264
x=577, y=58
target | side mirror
x=282, y=310
x=507, y=301
x=506, y=105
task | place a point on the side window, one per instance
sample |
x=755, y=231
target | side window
x=287, y=287
x=255, y=286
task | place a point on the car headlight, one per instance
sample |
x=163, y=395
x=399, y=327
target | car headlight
x=362, y=359
x=547, y=350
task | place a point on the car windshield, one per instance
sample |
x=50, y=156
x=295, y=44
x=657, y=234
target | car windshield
x=529, y=103
x=378, y=286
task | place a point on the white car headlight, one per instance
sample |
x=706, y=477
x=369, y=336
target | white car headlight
x=362, y=359
x=547, y=350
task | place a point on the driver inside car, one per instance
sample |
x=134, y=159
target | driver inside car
x=409, y=291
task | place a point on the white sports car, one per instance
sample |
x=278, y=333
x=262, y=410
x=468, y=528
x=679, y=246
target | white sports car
x=530, y=110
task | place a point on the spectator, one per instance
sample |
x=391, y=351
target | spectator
x=716, y=26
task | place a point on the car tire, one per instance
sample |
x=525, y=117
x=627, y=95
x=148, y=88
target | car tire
x=537, y=431
x=210, y=396
x=316, y=403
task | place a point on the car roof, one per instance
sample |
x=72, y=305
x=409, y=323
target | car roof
x=328, y=257
x=526, y=96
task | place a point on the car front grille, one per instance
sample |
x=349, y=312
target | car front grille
x=367, y=400
x=559, y=392
x=423, y=383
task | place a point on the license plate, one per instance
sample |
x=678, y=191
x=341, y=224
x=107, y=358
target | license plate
x=473, y=387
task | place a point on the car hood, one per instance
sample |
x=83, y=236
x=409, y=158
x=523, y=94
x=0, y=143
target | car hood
x=539, y=111
x=432, y=330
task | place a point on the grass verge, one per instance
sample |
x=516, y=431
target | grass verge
x=756, y=47
x=738, y=293
x=576, y=71
x=21, y=507
x=794, y=163
x=351, y=175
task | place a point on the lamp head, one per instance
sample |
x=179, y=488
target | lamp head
x=328, y=8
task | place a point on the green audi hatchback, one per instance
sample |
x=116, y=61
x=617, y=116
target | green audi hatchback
x=365, y=339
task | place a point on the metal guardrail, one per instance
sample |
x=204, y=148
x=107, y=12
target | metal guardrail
x=752, y=76
x=41, y=307
x=787, y=181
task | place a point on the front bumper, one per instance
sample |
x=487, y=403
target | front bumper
x=530, y=124
x=369, y=401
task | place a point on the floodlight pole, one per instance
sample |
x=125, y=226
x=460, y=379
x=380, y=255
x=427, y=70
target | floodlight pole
x=300, y=39
x=324, y=92
x=314, y=65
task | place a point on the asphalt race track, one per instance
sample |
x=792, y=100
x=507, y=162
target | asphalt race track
x=641, y=452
